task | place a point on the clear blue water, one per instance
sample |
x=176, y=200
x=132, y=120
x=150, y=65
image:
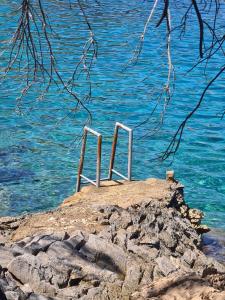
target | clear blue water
x=38, y=150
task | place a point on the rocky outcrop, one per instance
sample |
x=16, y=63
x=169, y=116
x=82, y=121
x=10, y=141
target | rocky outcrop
x=147, y=250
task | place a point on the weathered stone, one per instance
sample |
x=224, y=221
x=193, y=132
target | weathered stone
x=195, y=215
x=114, y=217
x=147, y=275
x=133, y=232
x=107, y=234
x=189, y=257
x=112, y=291
x=165, y=265
x=121, y=238
x=150, y=241
x=26, y=288
x=169, y=239
x=125, y=220
x=103, y=221
x=77, y=240
x=12, y=283
x=2, y=294
x=202, y=229
x=93, y=293
x=132, y=278
x=144, y=252
x=3, y=240
x=75, y=276
x=39, y=297
x=17, y=250
x=104, y=253
x=144, y=243
x=10, y=295
x=61, y=248
x=26, y=268
x=5, y=256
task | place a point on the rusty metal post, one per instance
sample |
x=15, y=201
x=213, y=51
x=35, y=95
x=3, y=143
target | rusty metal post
x=113, y=152
x=81, y=162
x=82, y=155
x=170, y=175
x=115, y=136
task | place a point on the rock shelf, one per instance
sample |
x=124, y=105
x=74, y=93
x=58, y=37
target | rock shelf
x=135, y=240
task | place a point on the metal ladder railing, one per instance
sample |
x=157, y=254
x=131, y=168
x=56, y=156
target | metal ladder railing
x=112, y=159
x=81, y=163
x=99, y=151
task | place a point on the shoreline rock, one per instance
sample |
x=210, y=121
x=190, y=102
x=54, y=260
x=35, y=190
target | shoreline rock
x=147, y=248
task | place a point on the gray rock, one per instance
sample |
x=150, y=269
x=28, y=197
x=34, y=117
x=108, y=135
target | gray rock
x=3, y=239
x=10, y=295
x=58, y=249
x=2, y=294
x=28, y=269
x=125, y=220
x=150, y=241
x=38, y=297
x=77, y=240
x=165, y=265
x=121, y=238
x=190, y=257
x=104, y=254
x=17, y=250
x=132, y=278
x=142, y=243
x=5, y=256
x=168, y=238
x=12, y=283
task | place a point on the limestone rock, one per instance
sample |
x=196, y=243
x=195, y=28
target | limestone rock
x=138, y=251
x=5, y=256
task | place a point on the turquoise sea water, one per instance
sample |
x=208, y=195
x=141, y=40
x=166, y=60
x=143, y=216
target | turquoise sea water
x=38, y=150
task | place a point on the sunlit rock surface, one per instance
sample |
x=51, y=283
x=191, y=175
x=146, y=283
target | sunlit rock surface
x=135, y=240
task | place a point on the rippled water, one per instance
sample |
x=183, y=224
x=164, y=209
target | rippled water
x=38, y=152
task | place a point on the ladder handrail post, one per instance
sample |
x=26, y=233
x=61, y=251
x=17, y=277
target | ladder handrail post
x=98, y=161
x=81, y=162
x=113, y=152
x=130, y=143
x=98, y=167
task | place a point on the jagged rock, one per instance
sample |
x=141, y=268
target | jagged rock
x=189, y=257
x=195, y=215
x=132, y=278
x=165, y=266
x=169, y=239
x=132, y=255
x=10, y=295
x=202, y=229
x=17, y=250
x=5, y=256
x=28, y=269
x=150, y=241
x=3, y=240
x=2, y=294
x=106, y=254
x=58, y=248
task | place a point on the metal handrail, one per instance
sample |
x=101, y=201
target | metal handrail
x=81, y=162
x=112, y=159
